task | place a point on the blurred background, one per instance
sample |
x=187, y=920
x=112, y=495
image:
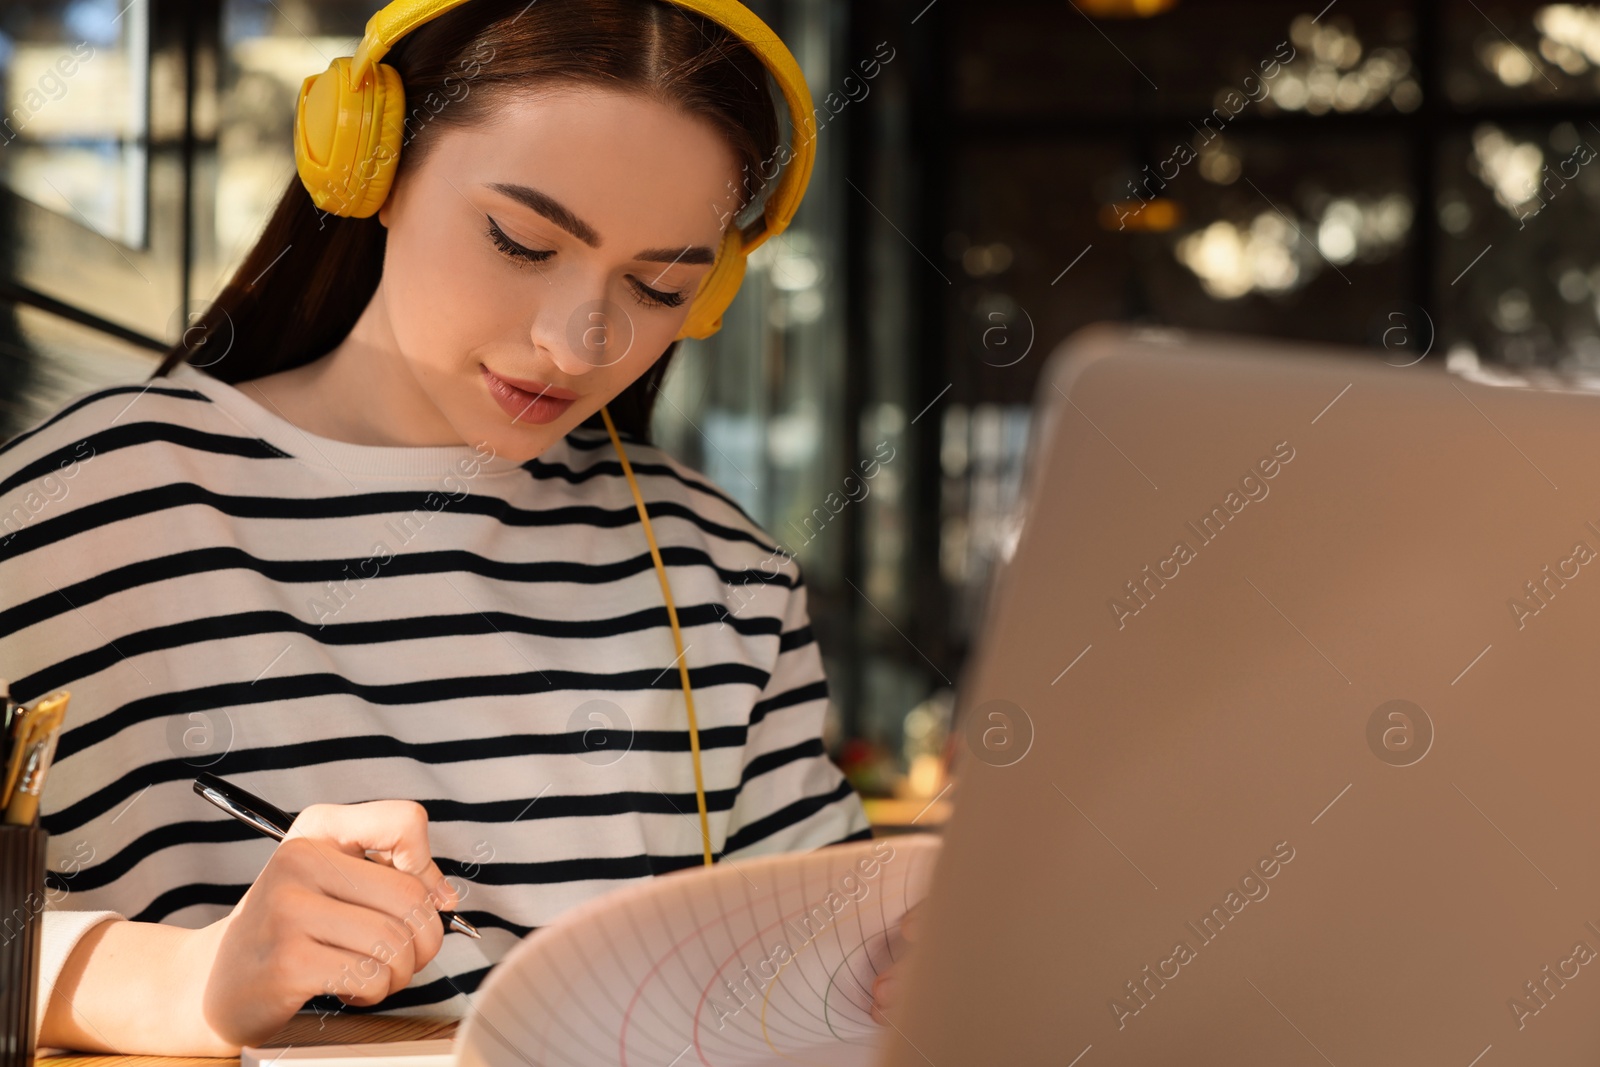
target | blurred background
x=1413, y=176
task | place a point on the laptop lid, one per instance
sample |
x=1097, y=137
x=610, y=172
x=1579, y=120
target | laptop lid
x=1282, y=729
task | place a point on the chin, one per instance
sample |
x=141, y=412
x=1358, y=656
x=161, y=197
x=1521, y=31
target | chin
x=526, y=439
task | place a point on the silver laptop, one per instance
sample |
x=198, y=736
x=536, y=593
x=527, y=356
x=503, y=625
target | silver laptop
x=1282, y=735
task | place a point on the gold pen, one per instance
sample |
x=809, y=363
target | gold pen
x=39, y=742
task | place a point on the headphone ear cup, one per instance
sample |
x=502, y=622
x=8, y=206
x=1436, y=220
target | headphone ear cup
x=347, y=141
x=720, y=286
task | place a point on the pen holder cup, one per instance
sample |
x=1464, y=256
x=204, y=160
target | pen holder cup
x=22, y=900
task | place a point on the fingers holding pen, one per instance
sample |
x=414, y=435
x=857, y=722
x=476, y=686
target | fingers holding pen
x=323, y=918
x=386, y=893
x=409, y=886
x=396, y=828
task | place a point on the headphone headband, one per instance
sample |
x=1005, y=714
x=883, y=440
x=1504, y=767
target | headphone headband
x=784, y=201
x=387, y=25
x=348, y=133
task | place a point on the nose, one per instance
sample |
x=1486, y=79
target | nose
x=583, y=334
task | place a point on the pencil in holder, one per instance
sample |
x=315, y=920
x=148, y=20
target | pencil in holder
x=22, y=901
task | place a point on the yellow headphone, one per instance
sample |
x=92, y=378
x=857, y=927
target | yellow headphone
x=348, y=128
x=349, y=124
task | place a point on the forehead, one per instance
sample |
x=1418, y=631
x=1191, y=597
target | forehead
x=633, y=168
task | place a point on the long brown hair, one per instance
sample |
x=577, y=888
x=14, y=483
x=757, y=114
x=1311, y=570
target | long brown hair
x=310, y=275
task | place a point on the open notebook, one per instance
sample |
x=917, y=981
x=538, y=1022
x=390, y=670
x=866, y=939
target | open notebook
x=750, y=962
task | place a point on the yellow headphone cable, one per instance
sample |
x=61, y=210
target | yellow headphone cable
x=677, y=636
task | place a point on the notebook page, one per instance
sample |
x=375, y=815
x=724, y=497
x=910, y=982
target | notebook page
x=750, y=962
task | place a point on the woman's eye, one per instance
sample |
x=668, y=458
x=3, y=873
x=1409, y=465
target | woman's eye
x=513, y=250
x=649, y=297
x=643, y=294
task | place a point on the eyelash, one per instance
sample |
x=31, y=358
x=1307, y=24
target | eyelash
x=642, y=294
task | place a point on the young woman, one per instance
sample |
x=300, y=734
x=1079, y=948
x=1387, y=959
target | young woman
x=363, y=545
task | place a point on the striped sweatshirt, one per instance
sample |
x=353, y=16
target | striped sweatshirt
x=322, y=621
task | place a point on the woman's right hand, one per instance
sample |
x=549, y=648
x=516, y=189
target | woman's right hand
x=321, y=918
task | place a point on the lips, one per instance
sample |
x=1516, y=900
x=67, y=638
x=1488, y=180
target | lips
x=527, y=385
x=524, y=405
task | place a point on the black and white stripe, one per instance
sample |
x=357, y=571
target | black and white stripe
x=329, y=622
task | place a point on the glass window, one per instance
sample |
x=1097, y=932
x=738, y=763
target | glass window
x=1044, y=60
x=268, y=50
x=92, y=124
x=73, y=87
x=1518, y=275
x=1498, y=53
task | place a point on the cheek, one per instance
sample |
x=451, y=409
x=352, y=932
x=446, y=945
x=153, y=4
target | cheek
x=654, y=330
x=636, y=335
x=444, y=297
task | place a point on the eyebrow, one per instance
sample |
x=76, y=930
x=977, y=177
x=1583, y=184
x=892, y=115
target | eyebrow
x=562, y=216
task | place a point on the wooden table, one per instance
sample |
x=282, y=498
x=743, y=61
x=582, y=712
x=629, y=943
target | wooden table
x=304, y=1029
